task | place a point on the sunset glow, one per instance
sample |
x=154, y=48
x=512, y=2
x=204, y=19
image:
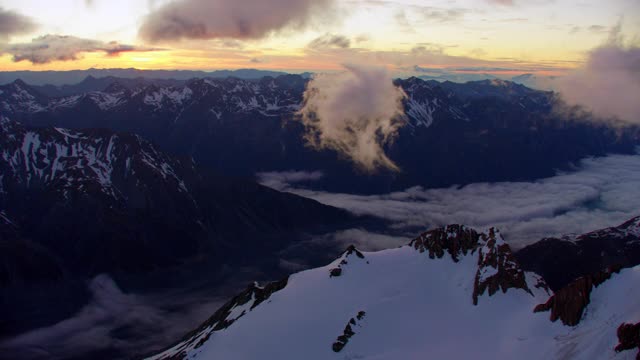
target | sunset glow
x=466, y=36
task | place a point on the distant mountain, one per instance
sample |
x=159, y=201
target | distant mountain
x=451, y=293
x=105, y=201
x=531, y=80
x=535, y=81
x=562, y=260
x=60, y=78
x=490, y=130
x=76, y=204
x=92, y=84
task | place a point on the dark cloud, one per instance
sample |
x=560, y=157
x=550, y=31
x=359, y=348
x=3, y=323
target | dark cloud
x=50, y=48
x=12, y=23
x=330, y=41
x=239, y=19
x=598, y=28
x=602, y=192
x=609, y=82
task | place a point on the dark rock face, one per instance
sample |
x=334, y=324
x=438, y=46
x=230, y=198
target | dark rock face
x=253, y=296
x=240, y=127
x=351, y=251
x=335, y=272
x=348, y=332
x=560, y=261
x=497, y=270
x=568, y=304
x=629, y=338
x=456, y=240
x=26, y=262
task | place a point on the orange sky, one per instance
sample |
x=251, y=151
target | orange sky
x=466, y=36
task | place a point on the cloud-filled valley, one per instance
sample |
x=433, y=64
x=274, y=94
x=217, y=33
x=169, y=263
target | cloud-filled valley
x=601, y=192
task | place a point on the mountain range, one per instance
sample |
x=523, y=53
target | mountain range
x=151, y=181
x=53, y=79
x=241, y=127
x=76, y=204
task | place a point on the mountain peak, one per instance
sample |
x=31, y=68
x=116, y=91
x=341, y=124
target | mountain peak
x=498, y=268
x=20, y=83
x=380, y=300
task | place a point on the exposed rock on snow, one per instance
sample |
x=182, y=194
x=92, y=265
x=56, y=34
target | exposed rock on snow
x=569, y=303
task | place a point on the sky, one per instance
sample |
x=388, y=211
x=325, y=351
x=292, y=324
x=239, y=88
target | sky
x=503, y=37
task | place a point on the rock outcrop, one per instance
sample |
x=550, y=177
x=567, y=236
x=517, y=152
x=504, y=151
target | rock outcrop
x=629, y=337
x=348, y=332
x=568, y=304
x=498, y=269
x=351, y=250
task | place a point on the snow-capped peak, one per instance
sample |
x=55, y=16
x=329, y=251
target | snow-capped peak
x=413, y=302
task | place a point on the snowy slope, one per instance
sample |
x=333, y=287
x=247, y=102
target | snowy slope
x=410, y=302
x=611, y=304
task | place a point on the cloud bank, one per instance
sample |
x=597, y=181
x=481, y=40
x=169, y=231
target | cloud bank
x=240, y=19
x=603, y=192
x=282, y=179
x=12, y=23
x=501, y=2
x=355, y=112
x=149, y=323
x=48, y=48
x=608, y=84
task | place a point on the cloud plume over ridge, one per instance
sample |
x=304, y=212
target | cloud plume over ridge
x=608, y=84
x=356, y=113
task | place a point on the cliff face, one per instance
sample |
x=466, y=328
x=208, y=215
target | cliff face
x=562, y=260
x=568, y=304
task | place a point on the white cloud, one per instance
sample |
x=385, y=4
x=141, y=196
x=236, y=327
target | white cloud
x=608, y=84
x=356, y=113
x=278, y=180
x=603, y=192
